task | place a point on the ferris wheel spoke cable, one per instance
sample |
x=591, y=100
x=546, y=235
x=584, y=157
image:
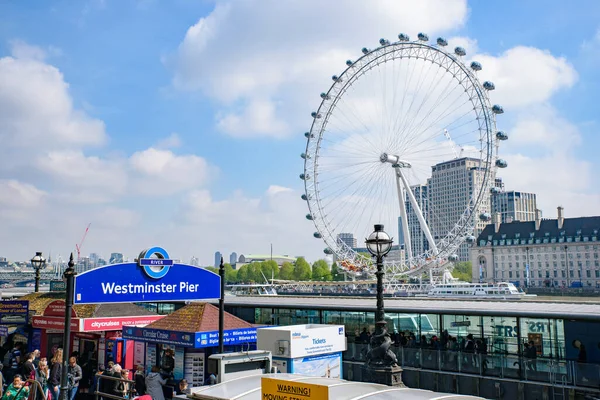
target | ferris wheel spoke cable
x=441, y=114
x=402, y=113
x=428, y=94
x=420, y=81
x=438, y=120
x=363, y=194
x=441, y=98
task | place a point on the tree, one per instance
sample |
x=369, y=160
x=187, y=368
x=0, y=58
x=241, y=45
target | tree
x=463, y=271
x=230, y=273
x=287, y=271
x=320, y=271
x=270, y=269
x=302, y=270
x=336, y=274
x=242, y=274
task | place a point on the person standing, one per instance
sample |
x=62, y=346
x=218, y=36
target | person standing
x=15, y=360
x=41, y=375
x=36, y=357
x=140, y=381
x=154, y=384
x=55, y=374
x=28, y=368
x=74, y=373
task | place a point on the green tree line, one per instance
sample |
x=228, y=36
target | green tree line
x=301, y=270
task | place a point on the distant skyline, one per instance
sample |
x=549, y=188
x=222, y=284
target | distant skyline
x=181, y=123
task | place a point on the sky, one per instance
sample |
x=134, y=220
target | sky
x=180, y=123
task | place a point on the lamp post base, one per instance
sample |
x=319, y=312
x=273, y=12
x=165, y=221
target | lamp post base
x=391, y=376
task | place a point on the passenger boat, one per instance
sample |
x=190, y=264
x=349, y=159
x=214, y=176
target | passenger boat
x=252, y=290
x=502, y=290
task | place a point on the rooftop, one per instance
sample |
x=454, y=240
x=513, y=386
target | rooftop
x=249, y=388
x=520, y=308
x=198, y=317
x=572, y=227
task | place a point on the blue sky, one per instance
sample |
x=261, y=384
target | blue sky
x=220, y=93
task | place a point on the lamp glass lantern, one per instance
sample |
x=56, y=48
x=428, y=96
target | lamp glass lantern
x=38, y=261
x=379, y=242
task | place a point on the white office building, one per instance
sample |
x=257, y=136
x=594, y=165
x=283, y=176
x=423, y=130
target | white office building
x=449, y=191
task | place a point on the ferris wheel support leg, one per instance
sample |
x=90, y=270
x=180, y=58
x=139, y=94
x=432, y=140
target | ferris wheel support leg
x=418, y=211
x=407, y=240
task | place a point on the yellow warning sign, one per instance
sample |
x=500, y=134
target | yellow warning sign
x=279, y=389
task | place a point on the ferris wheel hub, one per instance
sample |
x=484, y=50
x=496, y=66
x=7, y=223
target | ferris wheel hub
x=394, y=160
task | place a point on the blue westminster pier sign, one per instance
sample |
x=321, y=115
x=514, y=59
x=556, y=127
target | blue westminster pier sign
x=153, y=278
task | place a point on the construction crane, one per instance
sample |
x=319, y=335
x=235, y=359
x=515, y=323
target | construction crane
x=453, y=145
x=78, y=246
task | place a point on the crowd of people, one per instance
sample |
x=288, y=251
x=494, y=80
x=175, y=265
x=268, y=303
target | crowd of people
x=17, y=378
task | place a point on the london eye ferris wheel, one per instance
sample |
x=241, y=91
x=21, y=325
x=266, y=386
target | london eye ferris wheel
x=386, y=120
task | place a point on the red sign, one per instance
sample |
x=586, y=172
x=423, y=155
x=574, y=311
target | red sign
x=57, y=309
x=54, y=323
x=117, y=323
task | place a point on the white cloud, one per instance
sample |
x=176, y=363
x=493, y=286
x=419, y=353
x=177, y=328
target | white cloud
x=170, y=142
x=258, y=118
x=264, y=63
x=247, y=224
x=526, y=75
x=20, y=195
x=163, y=172
x=36, y=107
x=541, y=155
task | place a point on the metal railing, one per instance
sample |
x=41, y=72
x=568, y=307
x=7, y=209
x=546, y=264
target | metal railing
x=127, y=394
x=498, y=365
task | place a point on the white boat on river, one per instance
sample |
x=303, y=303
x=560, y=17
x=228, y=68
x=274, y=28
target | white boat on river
x=502, y=290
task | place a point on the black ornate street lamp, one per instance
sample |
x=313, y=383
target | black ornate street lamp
x=382, y=364
x=69, y=278
x=38, y=262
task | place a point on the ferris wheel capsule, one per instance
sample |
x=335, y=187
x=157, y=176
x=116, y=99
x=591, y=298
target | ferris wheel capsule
x=453, y=257
x=384, y=42
x=423, y=37
x=327, y=251
x=470, y=239
x=459, y=51
x=485, y=216
x=365, y=51
x=305, y=156
x=336, y=78
x=495, y=190
x=501, y=135
x=496, y=109
x=309, y=217
x=475, y=66
x=317, y=235
x=314, y=114
x=500, y=163
x=349, y=63
x=487, y=85
x=308, y=135
x=442, y=42
x=304, y=197
x=304, y=177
